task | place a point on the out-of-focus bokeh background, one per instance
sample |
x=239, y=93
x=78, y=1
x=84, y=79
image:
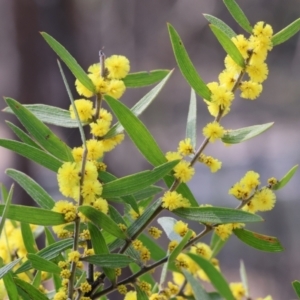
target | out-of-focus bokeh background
x=137, y=29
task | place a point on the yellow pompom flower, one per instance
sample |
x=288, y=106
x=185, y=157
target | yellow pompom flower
x=260, y=28
x=185, y=147
x=173, y=200
x=84, y=108
x=240, y=191
x=67, y=208
x=223, y=231
x=213, y=131
x=95, y=149
x=264, y=199
x=85, y=287
x=105, y=115
x=184, y=171
x=101, y=205
x=145, y=254
x=118, y=66
x=100, y=127
x=202, y=249
x=182, y=261
x=111, y=143
x=242, y=44
x=213, y=163
x=90, y=189
x=99, y=82
x=154, y=232
x=266, y=298
x=157, y=296
x=61, y=295
x=90, y=171
x=137, y=245
x=181, y=228
x=116, y=88
x=250, y=180
x=95, y=69
x=77, y=154
x=257, y=72
x=170, y=156
x=220, y=95
x=238, y=290
x=134, y=215
x=250, y=89
x=82, y=90
x=172, y=245
x=131, y=296
x=228, y=79
x=231, y=65
x=174, y=289
x=73, y=256
x=122, y=289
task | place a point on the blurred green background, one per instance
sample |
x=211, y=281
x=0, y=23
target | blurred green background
x=137, y=29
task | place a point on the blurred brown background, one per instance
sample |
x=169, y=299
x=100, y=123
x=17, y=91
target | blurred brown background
x=137, y=29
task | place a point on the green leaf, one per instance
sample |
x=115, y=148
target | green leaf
x=42, y=264
x=42, y=134
x=296, y=286
x=145, y=277
x=157, y=252
x=48, y=253
x=33, y=189
x=33, y=215
x=7, y=205
x=148, y=192
x=238, y=15
x=191, y=126
x=167, y=224
x=28, y=238
x=140, y=106
x=243, y=275
x=111, y=260
x=135, y=80
x=140, y=294
x=46, y=160
x=182, y=189
x=70, y=61
x=37, y=279
x=221, y=25
x=179, y=247
x=30, y=290
x=286, y=33
x=244, y=134
x=198, y=290
x=137, y=132
x=286, y=178
x=5, y=269
x=216, y=244
x=50, y=115
x=100, y=247
x=102, y=220
x=24, y=137
x=133, y=183
x=10, y=286
x=216, y=215
x=186, y=66
x=229, y=47
x=259, y=241
x=216, y=278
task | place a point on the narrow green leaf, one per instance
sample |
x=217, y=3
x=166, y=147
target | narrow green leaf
x=286, y=33
x=191, y=126
x=286, y=178
x=100, y=247
x=244, y=134
x=111, y=260
x=28, y=238
x=70, y=61
x=102, y=220
x=215, y=296
x=115, y=215
x=229, y=47
x=5, y=269
x=167, y=224
x=216, y=244
x=42, y=134
x=145, y=277
x=4, y=192
x=135, y=80
x=216, y=215
x=50, y=115
x=33, y=215
x=7, y=205
x=259, y=241
x=140, y=106
x=148, y=192
x=296, y=286
x=42, y=264
x=133, y=183
x=182, y=189
x=179, y=247
x=238, y=15
x=10, y=286
x=216, y=278
x=33, y=189
x=30, y=290
x=37, y=279
x=186, y=66
x=24, y=137
x=40, y=157
x=221, y=25
x=137, y=132
x=199, y=292
x=48, y=253
x=140, y=294
x=157, y=252
x=243, y=275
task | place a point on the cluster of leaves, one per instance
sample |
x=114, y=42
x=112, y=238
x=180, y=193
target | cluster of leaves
x=135, y=191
